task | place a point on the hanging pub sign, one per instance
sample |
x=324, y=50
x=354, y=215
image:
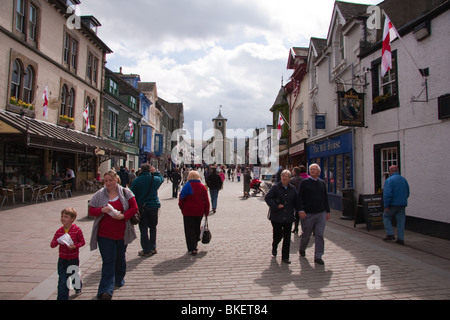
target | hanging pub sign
x=351, y=108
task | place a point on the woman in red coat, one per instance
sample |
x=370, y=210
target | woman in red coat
x=194, y=204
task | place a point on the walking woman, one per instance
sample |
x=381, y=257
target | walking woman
x=112, y=207
x=282, y=200
x=194, y=204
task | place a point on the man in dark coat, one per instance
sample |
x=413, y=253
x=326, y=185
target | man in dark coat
x=123, y=175
x=214, y=183
x=175, y=177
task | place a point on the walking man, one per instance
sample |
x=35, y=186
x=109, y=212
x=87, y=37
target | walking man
x=314, y=210
x=214, y=183
x=395, y=198
x=145, y=188
x=175, y=177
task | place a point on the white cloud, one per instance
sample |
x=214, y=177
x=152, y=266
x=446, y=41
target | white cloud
x=207, y=53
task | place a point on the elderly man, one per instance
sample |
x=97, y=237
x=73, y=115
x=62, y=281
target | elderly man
x=282, y=200
x=314, y=210
x=395, y=198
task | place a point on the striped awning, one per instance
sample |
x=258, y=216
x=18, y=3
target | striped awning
x=41, y=134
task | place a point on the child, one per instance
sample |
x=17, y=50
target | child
x=69, y=238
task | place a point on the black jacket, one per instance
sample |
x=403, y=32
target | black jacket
x=287, y=197
x=175, y=177
x=313, y=196
x=213, y=181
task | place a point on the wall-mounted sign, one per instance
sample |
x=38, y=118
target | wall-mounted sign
x=351, y=108
x=320, y=121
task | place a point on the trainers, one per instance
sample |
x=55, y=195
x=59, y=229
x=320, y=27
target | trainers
x=389, y=237
x=400, y=242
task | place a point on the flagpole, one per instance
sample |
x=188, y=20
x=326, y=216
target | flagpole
x=406, y=48
x=285, y=120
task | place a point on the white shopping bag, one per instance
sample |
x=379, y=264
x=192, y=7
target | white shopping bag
x=65, y=239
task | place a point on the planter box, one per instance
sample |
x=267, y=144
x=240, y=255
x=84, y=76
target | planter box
x=66, y=124
x=20, y=110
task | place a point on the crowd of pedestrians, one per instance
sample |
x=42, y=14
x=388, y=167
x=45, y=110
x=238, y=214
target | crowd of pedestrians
x=296, y=198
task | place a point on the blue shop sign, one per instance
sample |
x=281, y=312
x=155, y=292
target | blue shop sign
x=320, y=121
x=337, y=145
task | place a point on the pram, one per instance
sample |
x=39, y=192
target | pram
x=255, y=186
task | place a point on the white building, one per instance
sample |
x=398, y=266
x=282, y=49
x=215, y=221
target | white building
x=360, y=123
x=405, y=127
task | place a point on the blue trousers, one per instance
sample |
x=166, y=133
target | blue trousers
x=400, y=216
x=214, y=193
x=114, y=264
x=149, y=221
x=64, y=273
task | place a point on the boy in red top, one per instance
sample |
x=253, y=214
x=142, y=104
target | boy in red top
x=69, y=238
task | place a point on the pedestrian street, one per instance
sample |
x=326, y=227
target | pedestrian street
x=236, y=265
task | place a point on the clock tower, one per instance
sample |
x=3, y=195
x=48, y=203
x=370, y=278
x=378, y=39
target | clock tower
x=220, y=124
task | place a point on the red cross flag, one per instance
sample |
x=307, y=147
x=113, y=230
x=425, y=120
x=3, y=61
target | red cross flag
x=130, y=124
x=45, y=106
x=389, y=34
x=280, y=124
x=86, y=117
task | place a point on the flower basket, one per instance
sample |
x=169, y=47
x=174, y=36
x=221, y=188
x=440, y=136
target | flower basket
x=66, y=121
x=384, y=102
x=18, y=106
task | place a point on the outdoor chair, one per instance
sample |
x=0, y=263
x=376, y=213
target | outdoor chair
x=38, y=193
x=57, y=191
x=48, y=191
x=6, y=193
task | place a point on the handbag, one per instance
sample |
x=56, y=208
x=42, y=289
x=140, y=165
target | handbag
x=137, y=217
x=206, y=236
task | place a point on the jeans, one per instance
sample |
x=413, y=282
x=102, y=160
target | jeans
x=314, y=222
x=214, y=195
x=64, y=273
x=175, y=189
x=149, y=221
x=114, y=264
x=400, y=215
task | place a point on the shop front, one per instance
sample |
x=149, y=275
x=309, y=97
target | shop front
x=334, y=155
x=32, y=151
x=297, y=154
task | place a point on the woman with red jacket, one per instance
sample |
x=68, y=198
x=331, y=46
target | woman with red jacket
x=112, y=207
x=194, y=204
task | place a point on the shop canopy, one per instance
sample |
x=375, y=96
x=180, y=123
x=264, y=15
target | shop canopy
x=45, y=135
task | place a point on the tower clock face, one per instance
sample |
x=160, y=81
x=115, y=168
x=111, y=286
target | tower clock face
x=219, y=124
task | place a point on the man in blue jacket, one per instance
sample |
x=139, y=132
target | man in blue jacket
x=395, y=198
x=145, y=188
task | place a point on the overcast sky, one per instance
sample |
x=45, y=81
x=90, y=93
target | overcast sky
x=207, y=53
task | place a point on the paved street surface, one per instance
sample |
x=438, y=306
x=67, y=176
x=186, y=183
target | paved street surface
x=236, y=265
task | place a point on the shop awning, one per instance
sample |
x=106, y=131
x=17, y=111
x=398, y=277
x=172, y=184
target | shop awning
x=41, y=134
